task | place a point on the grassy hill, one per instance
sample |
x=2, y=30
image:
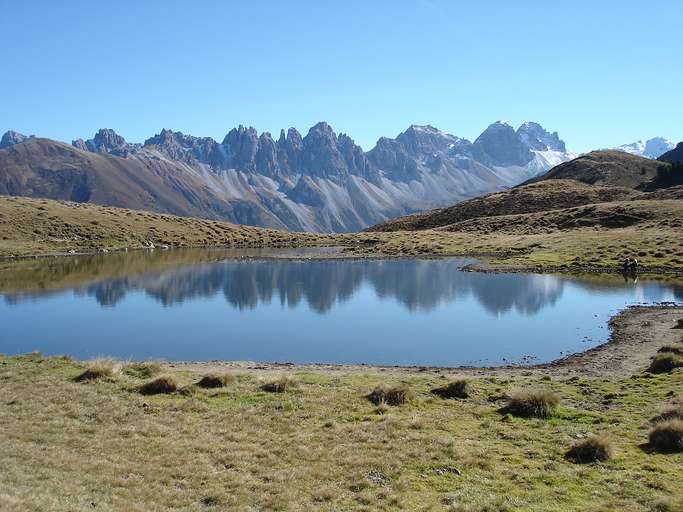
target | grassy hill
x=45, y=168
x=39, y=226
x=594, y=211
x=606, y=168
x=536, y=197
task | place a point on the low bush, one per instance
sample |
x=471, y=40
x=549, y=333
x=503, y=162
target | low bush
x=667, y=436
x=536, y=403
x=397, y=395
x=280, y=385
x=590, y=449
x=142, y=370
x=216, y=380
x=455, y=389
x=164, y=384
x=98, y=369
x=665, y=363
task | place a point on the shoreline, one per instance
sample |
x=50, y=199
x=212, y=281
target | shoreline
x=345, y=255
x=645, y=328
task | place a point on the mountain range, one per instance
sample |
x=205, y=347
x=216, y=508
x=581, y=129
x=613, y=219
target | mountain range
x=322, y=181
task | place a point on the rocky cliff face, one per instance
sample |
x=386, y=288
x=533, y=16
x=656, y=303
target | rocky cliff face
x=319, y=182
x=10, y=138
x=107, y=141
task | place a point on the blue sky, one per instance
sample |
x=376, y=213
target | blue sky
x=601, y=73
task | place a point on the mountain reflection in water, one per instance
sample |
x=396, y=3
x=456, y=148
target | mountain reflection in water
x=420, y=285
x=203, y=305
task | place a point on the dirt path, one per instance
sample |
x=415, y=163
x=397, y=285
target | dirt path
x=636, y=335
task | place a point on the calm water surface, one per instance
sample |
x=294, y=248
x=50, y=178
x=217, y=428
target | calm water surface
x=216, y=304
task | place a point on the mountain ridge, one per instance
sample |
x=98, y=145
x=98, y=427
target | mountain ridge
x=322, y=181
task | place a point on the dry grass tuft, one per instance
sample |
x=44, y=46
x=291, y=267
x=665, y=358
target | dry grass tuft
x=163, y=384
x=216, y=380
x=535, y=403
x=667, y=436
x=671, y=349
x=397, y=395
x=591, y=449
x=665, y=363
x=98, y=369
x=281, y=385
x=142, y=370
x=456, y=389
x=673, y=413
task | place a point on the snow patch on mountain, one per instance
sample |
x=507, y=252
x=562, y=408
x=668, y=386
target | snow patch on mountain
x=651, y=148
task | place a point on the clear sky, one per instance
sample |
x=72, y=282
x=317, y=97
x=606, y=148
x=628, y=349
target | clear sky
x=600, y=72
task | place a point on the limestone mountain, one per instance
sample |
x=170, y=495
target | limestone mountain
x=322, y=181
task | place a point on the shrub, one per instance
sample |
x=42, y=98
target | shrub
x=537, y=403
x=590, y=449
x=667, y=436
x=397, y=395
x=164, y=384
x=674, y=413
x=98, y=369
x=142, y=370
x=455, y=389
x=671, y=349
x=216, y=380
x=280, y=385
x=665, y=363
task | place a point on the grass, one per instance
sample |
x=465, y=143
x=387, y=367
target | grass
x=667, y=436
x=98, y=369
x=66, y=446
x=161, y=385
x=534, y=403
x=455, y=389
x=672, y=349
x=672, y=413
x=216, y=380
x=590, y=449
x=280, y=385
x=665, y=362
x=142, y=370
x=383, y=396
x=40, y=226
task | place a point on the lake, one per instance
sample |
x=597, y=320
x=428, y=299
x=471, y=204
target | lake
x=246, y=305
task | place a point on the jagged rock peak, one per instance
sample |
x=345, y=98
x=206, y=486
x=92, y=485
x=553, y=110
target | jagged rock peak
x=426, y=139
x=10, y=138
x=106, y=140
x=539, y=139
x=499, y=145
x=187, y=148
